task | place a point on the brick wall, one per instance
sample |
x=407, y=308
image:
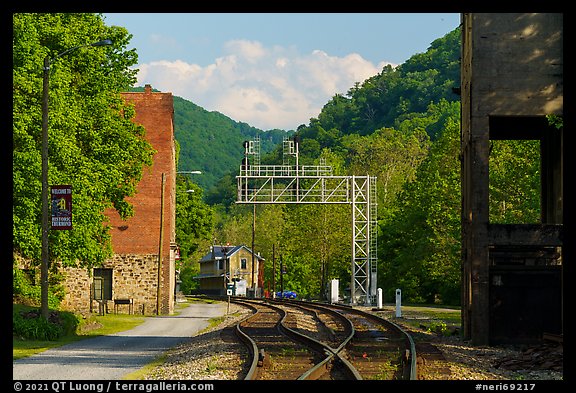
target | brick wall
x=136, y=241
x=140, y=234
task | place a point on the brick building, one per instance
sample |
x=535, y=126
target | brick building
x=131, y=275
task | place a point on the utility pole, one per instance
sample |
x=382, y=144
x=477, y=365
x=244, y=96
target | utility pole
x=273, y=270
x=45, y=210
x=158, y=292
x=281, y=277
x=254, y=284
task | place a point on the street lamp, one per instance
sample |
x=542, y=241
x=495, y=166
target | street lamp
x=45, y=215
x=191, y=172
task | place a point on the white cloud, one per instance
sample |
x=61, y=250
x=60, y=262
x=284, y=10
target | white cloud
x=265, y=87
x=251, y=51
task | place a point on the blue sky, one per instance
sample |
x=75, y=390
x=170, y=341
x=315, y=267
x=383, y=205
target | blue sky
x=272, y=70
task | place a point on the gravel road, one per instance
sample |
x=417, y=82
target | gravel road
x=113, y=356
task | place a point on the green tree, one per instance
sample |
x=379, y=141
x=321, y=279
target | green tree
x=419, y=243
x=93, y=144
x=194, y=218
x=320, y=236
x=514, y=189
x=391, y=155
x=194, y=226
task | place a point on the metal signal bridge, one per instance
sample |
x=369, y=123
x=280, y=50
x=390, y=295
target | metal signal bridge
x=291, y=183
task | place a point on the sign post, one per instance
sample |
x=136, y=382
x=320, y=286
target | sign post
x=61, y=207
x=398, y=303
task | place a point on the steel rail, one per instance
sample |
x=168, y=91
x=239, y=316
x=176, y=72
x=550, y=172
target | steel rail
x=331, y=354
x=250, y=344
x=335, y=353
x=413, y=373
x=286, y=331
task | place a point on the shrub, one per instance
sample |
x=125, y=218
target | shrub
x=30, y=324
x=23, y=288
x=439, y=327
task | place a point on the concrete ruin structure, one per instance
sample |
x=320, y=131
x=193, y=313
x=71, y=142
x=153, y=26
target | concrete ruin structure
x=511, y=82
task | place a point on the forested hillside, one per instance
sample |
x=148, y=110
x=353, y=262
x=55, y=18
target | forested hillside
x=389, y=98
x=213, y=143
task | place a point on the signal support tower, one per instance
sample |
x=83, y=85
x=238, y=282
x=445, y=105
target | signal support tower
x=291, y=183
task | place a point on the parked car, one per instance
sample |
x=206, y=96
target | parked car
x=286, y=295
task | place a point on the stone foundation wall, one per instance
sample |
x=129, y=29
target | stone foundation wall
x=133, y=277
x=77, y=284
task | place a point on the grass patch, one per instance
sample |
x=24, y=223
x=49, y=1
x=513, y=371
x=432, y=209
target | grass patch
x=92, y=326
x=433, y=318
x=436, y=320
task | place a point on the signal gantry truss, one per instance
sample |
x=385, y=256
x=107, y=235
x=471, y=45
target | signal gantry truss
x=291, y=183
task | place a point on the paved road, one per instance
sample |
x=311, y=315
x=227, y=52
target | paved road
x=114, y=356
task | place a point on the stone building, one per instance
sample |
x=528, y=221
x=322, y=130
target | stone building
x=511, y=81
x=135, y=278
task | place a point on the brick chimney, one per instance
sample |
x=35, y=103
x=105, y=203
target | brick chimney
x=147, y=89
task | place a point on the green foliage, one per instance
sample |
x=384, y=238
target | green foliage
x=439, y=327
x=419, y=246
x=391, y=155
x=213, y=143
x=23, y=288
x=28, y=323
x=556, y=121
x=194, y=225
x=223, y=192
x=187, y=274
x=93, y=144
x=517, y=201
x=386, y=99
x=194, y=218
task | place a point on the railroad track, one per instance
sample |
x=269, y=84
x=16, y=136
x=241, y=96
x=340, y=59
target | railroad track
x=304, y=340
x=277, y=353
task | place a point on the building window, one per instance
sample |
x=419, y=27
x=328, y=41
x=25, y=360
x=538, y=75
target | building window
x=221, y=264
x=243, y=263
x=103, y=276
x=515, y=169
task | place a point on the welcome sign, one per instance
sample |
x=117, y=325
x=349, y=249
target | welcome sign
x=61, y=197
